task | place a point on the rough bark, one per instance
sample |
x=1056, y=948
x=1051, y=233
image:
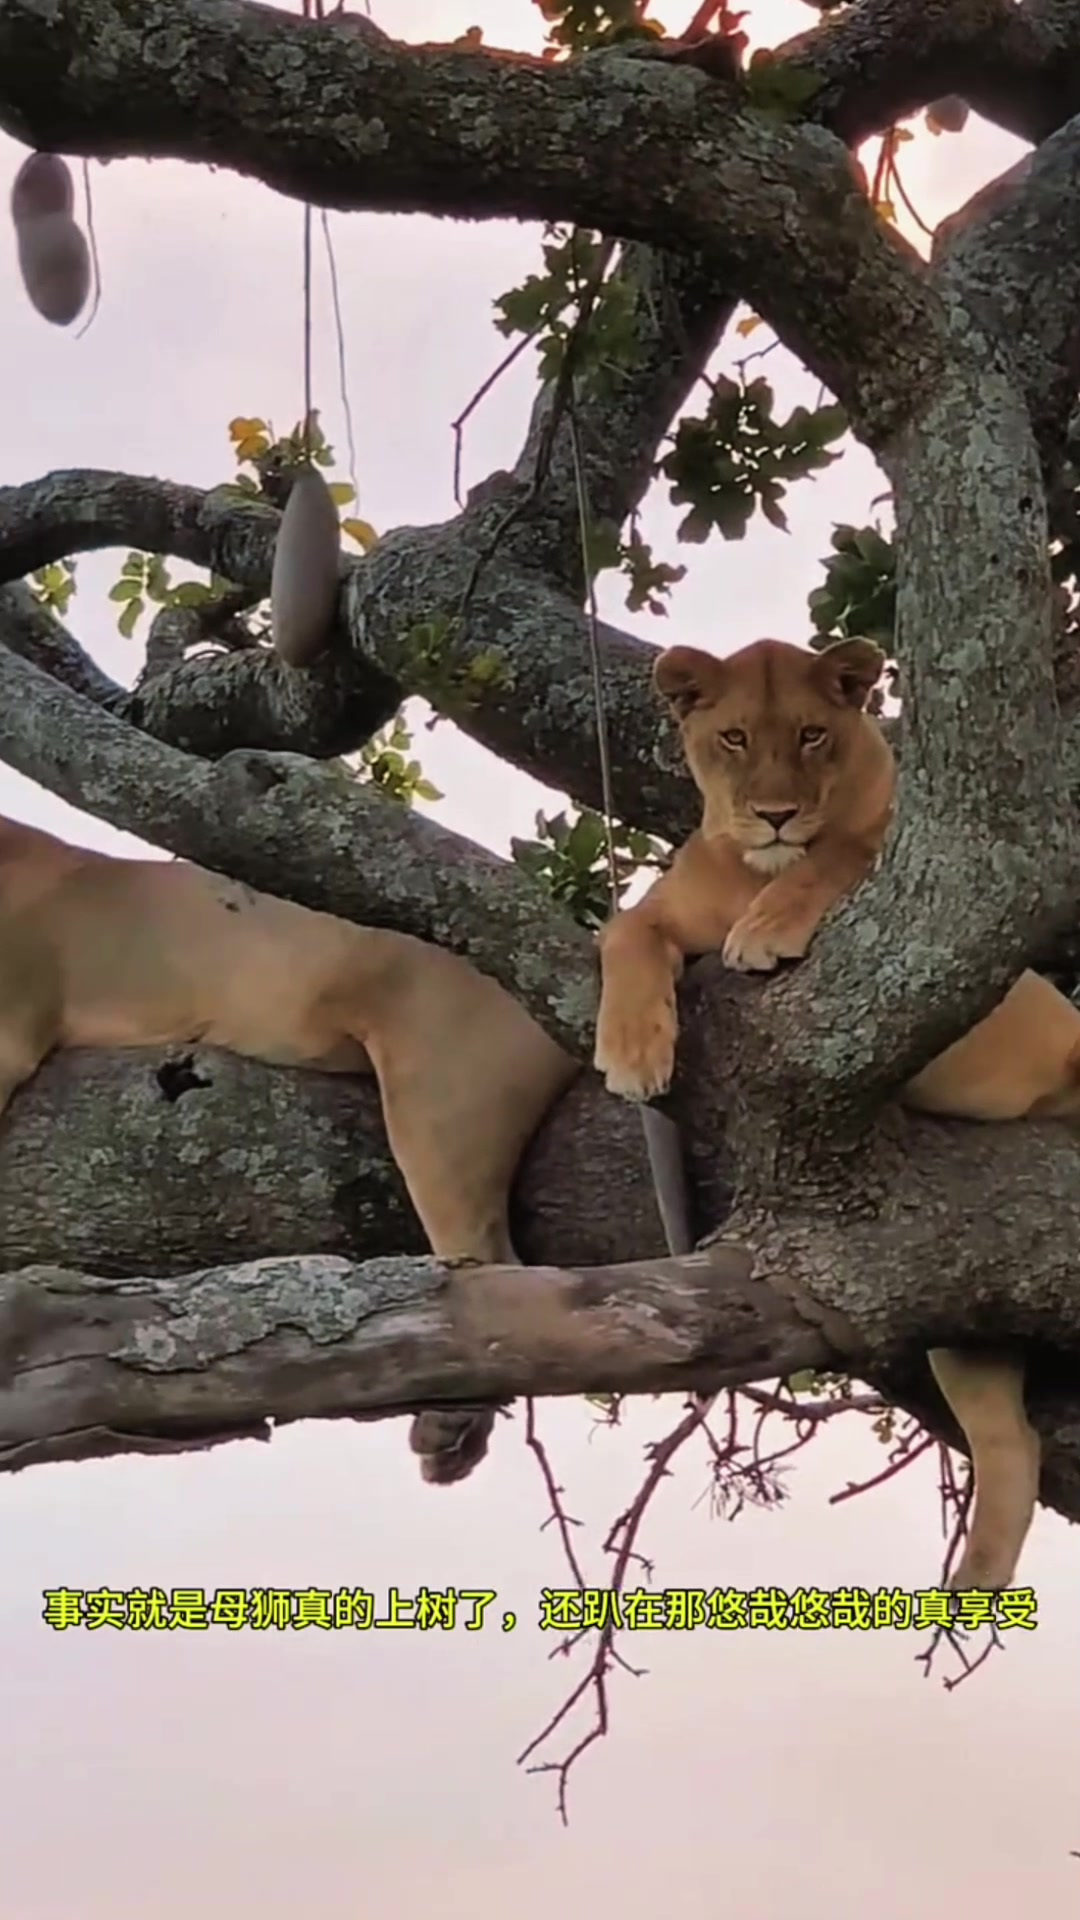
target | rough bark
x=538, y=714
x=121, y=1329
x=95, y=1366
x=300, y=827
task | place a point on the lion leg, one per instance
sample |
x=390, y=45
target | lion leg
x=459, y=1181
x=986, y=1395
x=29, y=1010
x=637, y=1025
x=465, y=1077
x=1021, y=1062
x=459, y=1184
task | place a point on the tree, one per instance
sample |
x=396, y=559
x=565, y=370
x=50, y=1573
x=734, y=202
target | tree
x=837, y=1235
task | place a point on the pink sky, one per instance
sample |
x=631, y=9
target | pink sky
x=262, y=1775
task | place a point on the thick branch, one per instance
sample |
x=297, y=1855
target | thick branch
x=74, y=1193
x=290, y=827
x=1019, y=266
x=90, y=1364
x=536, y=711
x=35, y=634
x=1018, y=66
x=940, y=1251
x=980, y=872
x=216, y=702
x=640, y=149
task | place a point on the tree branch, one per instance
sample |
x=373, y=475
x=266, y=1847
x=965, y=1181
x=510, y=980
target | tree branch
x=75, y=1194
x=943, y=1252
x=777, y=208
x=216, y=702
x=87, y=1364
x=287, y=826
x=31, y=631
x=980, y=871
x=536, y=711
x=1018, y=66
x=1018, y=265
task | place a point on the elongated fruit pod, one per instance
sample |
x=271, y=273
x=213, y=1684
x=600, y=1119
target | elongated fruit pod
x=304, y=582
x=42, y=185
x=55, y=263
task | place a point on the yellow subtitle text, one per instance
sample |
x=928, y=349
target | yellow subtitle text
x=197, y=1609
x=572, y=1610
x=810, y=1609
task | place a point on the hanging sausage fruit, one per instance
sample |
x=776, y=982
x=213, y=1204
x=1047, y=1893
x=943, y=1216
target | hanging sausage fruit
x=53, y=255
x=304, y=581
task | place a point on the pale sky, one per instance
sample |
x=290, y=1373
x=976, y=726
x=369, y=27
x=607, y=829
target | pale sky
x=265, y=1775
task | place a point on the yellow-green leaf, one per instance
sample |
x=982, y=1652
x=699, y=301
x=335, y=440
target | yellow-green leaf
x=241, y=429
x=129, y=618
x=341, y=493
x=360, y=531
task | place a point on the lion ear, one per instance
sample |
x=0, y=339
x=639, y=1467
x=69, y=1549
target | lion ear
x=849, y=670
x=684, y=676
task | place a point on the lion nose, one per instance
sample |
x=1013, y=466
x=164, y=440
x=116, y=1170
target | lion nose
x=777, y=817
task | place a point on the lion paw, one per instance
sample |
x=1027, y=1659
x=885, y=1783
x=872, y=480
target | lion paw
x=451, y=1442
x=637, y=1055
x=757, y=947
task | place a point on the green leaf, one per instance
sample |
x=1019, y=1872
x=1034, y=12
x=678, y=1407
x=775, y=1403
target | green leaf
x=157, y=578
x=874, y=550
x=126, y=590
x=802, y=1382
x=585, y=839
x=191, y=593
x=732, y=512
x=129, y=619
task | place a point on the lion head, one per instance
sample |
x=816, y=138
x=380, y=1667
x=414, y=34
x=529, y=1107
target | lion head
x=779, y=743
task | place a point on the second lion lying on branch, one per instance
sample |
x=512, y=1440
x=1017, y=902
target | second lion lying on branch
x=797, y=781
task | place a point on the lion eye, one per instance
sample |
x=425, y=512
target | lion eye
x=811, y=736
x=734, y=737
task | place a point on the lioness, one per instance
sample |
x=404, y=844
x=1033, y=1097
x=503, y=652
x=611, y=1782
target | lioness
x=101, y=952
x=797, y=782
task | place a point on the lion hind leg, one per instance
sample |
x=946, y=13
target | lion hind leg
x=465, y=1077
x=986, y=1395
x=1022, y=1061
x=462, y=1200
x=30, y=1020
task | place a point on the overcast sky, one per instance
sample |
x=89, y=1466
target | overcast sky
x=273, y=1774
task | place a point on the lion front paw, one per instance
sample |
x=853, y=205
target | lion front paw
x=755, y=946
x=636, y=1052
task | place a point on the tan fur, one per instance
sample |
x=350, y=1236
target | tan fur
x=776, y=730
x=100, y=952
